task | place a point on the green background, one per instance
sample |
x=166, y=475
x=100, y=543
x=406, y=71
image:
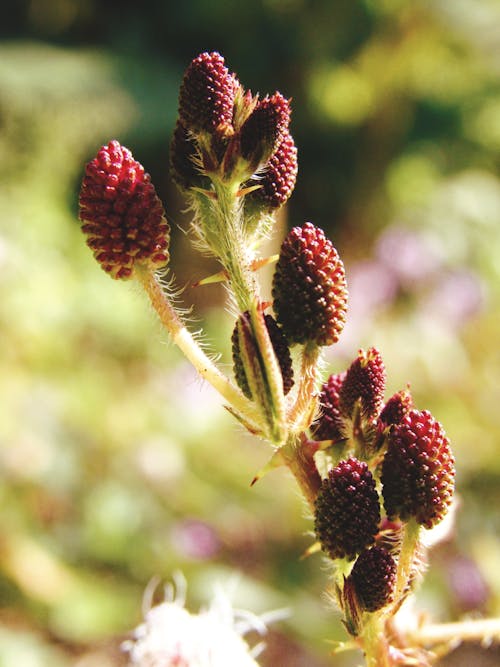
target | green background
x=117, y=465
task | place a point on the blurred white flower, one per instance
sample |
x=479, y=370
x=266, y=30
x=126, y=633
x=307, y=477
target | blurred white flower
x=171, y=636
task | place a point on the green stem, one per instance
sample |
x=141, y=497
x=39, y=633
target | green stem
x=407, y=555
x=374, y=642
x=302, y=411
x=301, y=463
x=185, y=341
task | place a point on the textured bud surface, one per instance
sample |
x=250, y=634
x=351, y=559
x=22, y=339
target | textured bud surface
x=396, y=408
x=123, y=218
x=264, y=129
x=418, y=470
x=206, y=97
x=364, y=382
x=329, y=424
x=281, y=350
x=309, y=287
x=347, y=510
x=183, y=156
x=373, y=578
x=277, y=181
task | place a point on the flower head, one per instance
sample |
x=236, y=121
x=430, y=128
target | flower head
x=277, y=180
x=206, y=97
x=264, y=129
x=123, y=217
x=418, y=470
x=373, y=578
x=364, y=384
x=309, y=287
x=329, y=424
x=347, y=510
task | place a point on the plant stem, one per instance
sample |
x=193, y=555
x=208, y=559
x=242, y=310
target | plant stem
x=185, y=341
x=375, y=644
x=301, y=413
x=407, y=555
x=301, y=463
x=480, y=630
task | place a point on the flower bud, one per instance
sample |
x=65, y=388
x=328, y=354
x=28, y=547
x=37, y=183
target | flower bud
x=418, y=470
x=281, y=351
x=123, y=217
x=264, y=129
x=347, y=510
x=329, y=424
x=373, y=579
x=206, y=97
x=396, y=408
x=309, y=287
x=277, y=180
x=364, y=384
x=184, y=159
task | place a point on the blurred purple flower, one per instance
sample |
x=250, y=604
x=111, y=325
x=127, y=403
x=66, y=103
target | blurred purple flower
x=457, y=297
x=195, y=539
x=409, y=255
x=467, y=584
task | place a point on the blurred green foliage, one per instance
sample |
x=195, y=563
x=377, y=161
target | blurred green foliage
x=116, y=464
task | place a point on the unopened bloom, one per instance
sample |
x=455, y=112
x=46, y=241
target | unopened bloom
x=373, y=578
x=418, y=470
x=347, y=510
x=364, y=384
x=277, y=179
x=206, y=97
x=123, y=217
x=329, y=424
x=281, y=351
x=309, y=287
x=264, y=129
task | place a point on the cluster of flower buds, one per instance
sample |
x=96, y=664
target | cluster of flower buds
x=225, y=133
x=403, y=451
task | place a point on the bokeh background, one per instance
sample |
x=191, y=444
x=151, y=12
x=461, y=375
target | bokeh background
x=116, y=464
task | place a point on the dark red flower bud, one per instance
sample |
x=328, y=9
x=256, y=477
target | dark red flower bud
x=347, y=510
x=309, y=287
x=418, y=470
x=364, y=384
x=206, y=97
x=373, y=578
x=281, y=350
x=185, y=159
x=277, y=181
x=329, y=424
x=396, y=408
x=264, y=129
x=123, y=217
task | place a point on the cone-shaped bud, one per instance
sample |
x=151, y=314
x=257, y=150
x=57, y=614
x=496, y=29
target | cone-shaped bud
x=329, y=424
x=364, y=385
x=123, y=218
x=281, y=351
x=418, y=470
x=309, y=287
x=396, y=408
x=206, y=96
x=277, y=180
x=263, y=130
x=347, y=510
x=373, y=579
x=184, y=159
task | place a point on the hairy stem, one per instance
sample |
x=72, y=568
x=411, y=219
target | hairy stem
x=192, y=351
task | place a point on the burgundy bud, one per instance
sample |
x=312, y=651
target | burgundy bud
x=373, y=578
x=329, y=424
x=364, y=384
x=277, y=180
x=264, y=129
x=123, y=218
x=418, y=470
x=396, y=408
x=206, y=97
x=281, y=350
x=347, y=510
x=309, y=287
